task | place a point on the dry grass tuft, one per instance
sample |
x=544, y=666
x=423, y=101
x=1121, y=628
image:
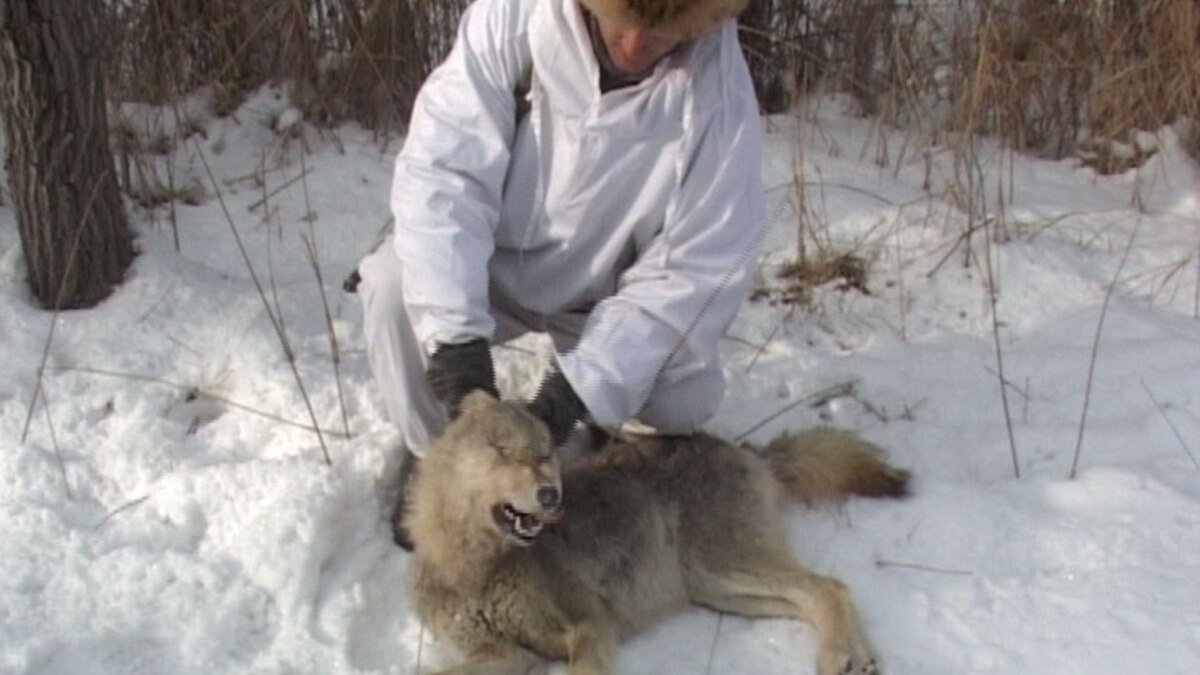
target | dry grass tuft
x=846, y=271
x=796, y=282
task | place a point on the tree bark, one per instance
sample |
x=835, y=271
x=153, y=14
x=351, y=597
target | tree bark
x=72, y=222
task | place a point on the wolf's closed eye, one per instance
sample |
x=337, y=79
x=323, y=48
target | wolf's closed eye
x=502, y=450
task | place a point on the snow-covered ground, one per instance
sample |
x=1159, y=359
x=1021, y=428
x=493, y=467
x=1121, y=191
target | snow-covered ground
x=168, y=513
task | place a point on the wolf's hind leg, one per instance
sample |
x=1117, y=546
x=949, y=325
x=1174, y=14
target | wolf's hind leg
x=500, y=660
x=591, y=648
x=781, y=588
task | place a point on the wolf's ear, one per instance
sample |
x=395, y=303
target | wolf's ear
x=478, y=399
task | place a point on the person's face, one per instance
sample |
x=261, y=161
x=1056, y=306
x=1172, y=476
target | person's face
x=633, y=50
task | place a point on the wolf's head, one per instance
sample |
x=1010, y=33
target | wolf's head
x=491, y=477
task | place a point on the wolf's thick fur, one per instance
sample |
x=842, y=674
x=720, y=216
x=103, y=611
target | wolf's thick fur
x=645, y=526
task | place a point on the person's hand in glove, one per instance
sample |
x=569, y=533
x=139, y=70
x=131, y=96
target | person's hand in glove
x=456, y=370
x=557, y=404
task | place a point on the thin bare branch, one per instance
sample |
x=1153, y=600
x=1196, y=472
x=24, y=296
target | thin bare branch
x=923, y=568
x=712, y=649
x=39, y=391
x=268, y=195
x=1087, y=391
x=275, y=321
x=119, y=510
x=199, y=393
x=814, y=399
x=62, y=289
x=335, y=353
x=62, y=465
x=993, y=295
x=1162, y=410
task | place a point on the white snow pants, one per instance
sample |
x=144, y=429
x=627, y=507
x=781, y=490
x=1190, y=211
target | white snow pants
x=398, y=361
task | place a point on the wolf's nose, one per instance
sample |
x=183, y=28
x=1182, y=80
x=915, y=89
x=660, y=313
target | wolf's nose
x=549, y=497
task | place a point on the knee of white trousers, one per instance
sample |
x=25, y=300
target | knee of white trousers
x=394, y=352
x=684, y=406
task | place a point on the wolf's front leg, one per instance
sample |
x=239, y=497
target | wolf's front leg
x=592, y=648
x=500, y=660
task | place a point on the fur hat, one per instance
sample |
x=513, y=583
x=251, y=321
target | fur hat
x=684, y=19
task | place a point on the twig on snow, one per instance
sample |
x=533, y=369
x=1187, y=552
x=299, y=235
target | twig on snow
x=712, y=649
x=814, y=399
x=923, y=568
x=119, y=510
x=198, y=393
x=267, y=195
x=1162, y=410
x=787, y=316
x=62, y=465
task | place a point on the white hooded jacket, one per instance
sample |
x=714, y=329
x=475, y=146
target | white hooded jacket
x=641, y=207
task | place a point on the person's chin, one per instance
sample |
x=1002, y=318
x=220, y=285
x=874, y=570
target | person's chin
x=633, y=74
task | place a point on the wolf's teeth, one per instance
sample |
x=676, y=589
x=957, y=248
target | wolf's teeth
x=528, y=526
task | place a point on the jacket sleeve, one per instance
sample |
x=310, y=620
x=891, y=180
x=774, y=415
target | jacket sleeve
x=449, y=176
x=674, y=303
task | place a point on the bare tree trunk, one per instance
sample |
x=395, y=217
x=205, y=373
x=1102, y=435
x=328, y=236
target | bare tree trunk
x=72, y=222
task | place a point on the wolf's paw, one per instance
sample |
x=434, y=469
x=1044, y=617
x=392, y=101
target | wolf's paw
x=842, y=663
x=853, y=667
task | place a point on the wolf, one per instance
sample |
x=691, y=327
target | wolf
x=520, y=562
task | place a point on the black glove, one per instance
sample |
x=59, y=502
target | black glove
x=558, y=406
x=457, y=370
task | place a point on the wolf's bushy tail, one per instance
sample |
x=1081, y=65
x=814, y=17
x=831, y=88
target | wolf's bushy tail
x=825, y=464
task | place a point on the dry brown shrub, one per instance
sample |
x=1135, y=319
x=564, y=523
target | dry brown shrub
x=163, y=49
x=387, y=49
x=1150, y=75
x=796, y=46
x=1047, y=76
x=1052, y=78
x=341, y=59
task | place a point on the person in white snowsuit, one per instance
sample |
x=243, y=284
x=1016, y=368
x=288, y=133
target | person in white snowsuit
x=586, y=168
